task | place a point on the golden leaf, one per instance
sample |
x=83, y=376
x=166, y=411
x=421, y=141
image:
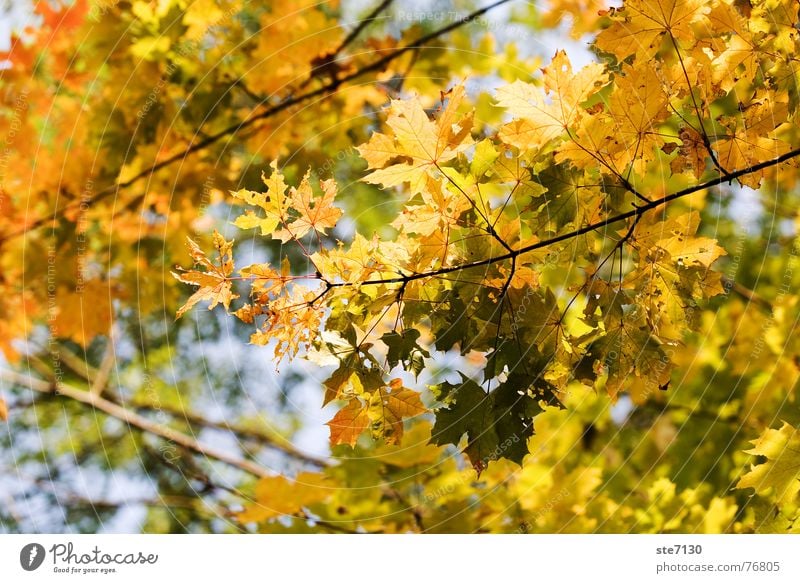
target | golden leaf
x=214, y=282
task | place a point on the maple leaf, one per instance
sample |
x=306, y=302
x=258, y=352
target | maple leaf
x=692, y=153
x=275, y=204
x=780, y=473
x=677, y=237
x=674, y=270
x=214, y=281
x=293, y=321
x=403, y=348
x=317, y=213
x=751, y=137
x=497, y=424
x=278, y=496
x=349, y=423
x=389, y=406
x=266, y=281
x=382, y=409
x=296, y=212
x=739, y=58
x=639, y=27
x=632, y=356
x=336, y=384
x=417, y=144
x=542, y=121
x=637, y=105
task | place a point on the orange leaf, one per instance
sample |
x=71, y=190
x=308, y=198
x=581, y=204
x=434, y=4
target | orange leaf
x=349, y=423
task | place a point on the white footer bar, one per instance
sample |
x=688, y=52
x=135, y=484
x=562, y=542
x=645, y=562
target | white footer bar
x=400, y=558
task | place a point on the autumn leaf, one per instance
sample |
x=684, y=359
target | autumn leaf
x=638, y=105
x=293, y=215
x=275, y=204
x=497, y=424
x=416, y=144
x=279, y=496
x=540, y=120
x=316, y=213
x=751, y=138
x=780, y=472
x=336, y=384
x=349, y=423
x=388, y=408
x=640, y=26
x=213, y=281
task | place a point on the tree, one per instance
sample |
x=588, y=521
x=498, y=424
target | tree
x=545, y=280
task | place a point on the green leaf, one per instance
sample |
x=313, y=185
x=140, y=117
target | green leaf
x=497, y=424
x=403, y=348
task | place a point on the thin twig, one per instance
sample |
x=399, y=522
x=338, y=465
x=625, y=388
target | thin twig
x=364, y=23
x=101, y=379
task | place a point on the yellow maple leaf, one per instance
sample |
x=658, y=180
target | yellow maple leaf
x=213, y=282
x=274, y=203
x=781, y=470
x=277, y=496
x=637, y=105
x=389, y=406
x=290, y=213
x=751, y=140
x=417, y=144
x=293, y=321
x=640, y=26
x=543, y=121
x=317, y=213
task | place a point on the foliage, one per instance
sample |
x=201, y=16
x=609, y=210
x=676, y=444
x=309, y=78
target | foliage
x=488, y=280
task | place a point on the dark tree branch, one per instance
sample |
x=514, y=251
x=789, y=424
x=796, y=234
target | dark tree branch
x=636, y=212
x=372, y=16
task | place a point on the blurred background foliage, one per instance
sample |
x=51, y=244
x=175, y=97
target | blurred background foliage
x=126, y=124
